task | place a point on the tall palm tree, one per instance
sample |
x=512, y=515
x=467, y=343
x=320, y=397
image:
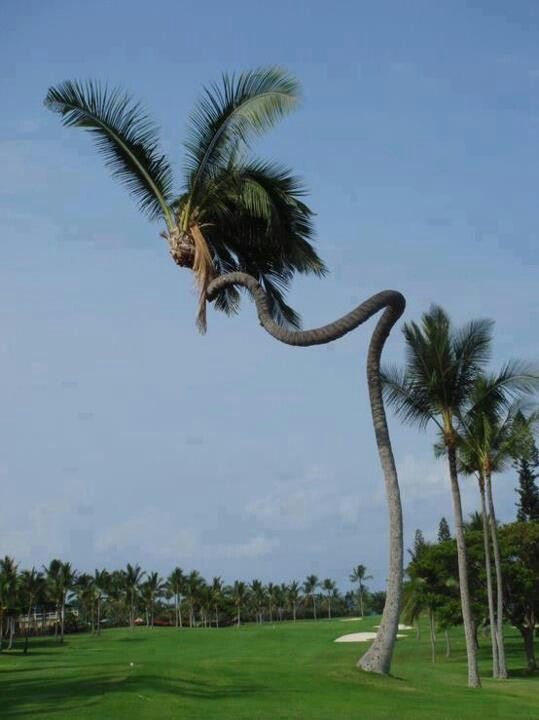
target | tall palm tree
x=241, y=222
x=293, y=596
x=359, y=575
x=53, y=580
x=329, y=586
x=175, y=582
x=310, y=586
x=490, y=435
x=271, y=593
x=442, y=367
x=31, y=585
x=132, y=578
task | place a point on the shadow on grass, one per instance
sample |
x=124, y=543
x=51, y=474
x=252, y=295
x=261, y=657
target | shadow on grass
x=32, y=698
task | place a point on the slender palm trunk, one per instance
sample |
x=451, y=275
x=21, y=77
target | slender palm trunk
x=176, y=609
x=361, y=601
x=62, y=620
x=99, y=614
x=499, y=582
x=238, y=620
x=11, y=632
x=27, y=628
x=417, y=630
x=216, y=616
x=432, y=636
x=378, y=657
x=314, y=607
x=471, y=650
x=294, y=611
x=1, y=629
x=490, y=593
x=447, y=645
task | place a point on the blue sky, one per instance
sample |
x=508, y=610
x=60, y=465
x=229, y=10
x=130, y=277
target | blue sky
x=124, y=435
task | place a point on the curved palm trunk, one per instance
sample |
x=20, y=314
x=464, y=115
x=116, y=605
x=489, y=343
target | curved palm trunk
x=378, y=656
x=499, y=583
x=490, y=593
x=471, y=649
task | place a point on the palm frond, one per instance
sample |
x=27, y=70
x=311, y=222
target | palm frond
x=124, y=135
x=226, y=117
x=410, y=401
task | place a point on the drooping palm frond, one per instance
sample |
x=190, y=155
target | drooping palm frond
x=227, y=116
x=410, y=400
x=125, y=136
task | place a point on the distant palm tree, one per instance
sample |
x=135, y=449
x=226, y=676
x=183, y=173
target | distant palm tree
x=293, y=597
x=152, y=588
x=309, y=588
x=258, y=593
x=102, y=582
x=8, y=597
x=330, y=588
x=175, y=583
x=239, y=593
x=442, y=367
x=32, y=585
x=132, y=579
x=67, y=578
x=359, y=575
x=217, y=593
x=193, y=584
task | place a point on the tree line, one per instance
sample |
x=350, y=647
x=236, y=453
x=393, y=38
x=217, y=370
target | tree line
x=58, y=597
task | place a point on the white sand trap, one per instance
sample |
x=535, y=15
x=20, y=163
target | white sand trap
x=350, y=619
x=360, y=637
x=401, y=627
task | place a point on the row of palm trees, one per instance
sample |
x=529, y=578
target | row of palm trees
x=122, y=595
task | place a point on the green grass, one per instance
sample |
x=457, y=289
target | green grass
x=286, y=671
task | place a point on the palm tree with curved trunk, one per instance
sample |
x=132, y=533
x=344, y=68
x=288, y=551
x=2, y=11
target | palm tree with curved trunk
x=175, y=583
x=240, y=222
x=359, y=575
x=491, y=433
x=436, y=387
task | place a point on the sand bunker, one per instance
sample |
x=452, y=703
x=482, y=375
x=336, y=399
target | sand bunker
x=360, y=637
x=401, y=627
x=350, y=619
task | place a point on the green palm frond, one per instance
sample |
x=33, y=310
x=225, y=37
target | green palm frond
x=125, y=136
x=409, y=399
x=227, y=116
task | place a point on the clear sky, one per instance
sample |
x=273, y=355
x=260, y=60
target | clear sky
x=126, y=436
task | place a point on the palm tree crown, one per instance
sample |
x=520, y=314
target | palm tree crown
x=234, y=212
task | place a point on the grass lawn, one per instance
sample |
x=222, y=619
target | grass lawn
x=287, y=671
